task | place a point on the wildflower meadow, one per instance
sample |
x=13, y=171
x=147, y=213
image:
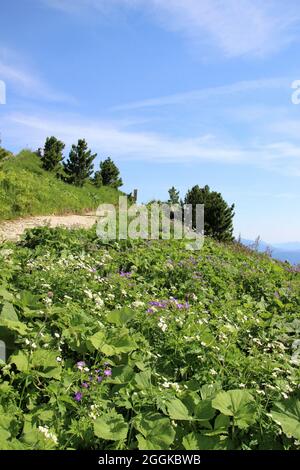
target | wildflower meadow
x=146, y=345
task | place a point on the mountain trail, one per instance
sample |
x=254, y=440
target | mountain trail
x=13, y=229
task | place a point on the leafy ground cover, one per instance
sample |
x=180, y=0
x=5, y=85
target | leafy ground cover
x=146, y=345
x=27, y=189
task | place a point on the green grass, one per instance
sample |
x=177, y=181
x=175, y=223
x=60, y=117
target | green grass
x=26, y=189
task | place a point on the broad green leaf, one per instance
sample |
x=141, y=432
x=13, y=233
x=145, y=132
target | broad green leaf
x=120, y=317
x=5, y=419
x=156, y=431
x=33, y=437
x=4, y=435
x=287, y=415
x=237, y=403
x=14, y=326
x=204, y=411
x=111, y=427
x=222, y=423
x=197, y=441
x=143, y=380
x=21, y=360
x=5, y=294
x=8, y=312
x=209, y=391
x=27, y=299
x=97, y=339
x=44, y=358
x=116, y=344
x=122, y=374
x=119, y=344
x=177, y=410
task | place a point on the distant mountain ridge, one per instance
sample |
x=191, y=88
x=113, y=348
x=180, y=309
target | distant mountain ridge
x=289, y=251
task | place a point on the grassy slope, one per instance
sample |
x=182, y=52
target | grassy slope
x=26, y=189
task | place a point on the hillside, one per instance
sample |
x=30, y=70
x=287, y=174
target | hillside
x=147, y=345
x=26, y=189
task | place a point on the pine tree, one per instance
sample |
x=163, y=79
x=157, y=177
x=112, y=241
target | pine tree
x=110, y=174
x=52, y=154
x=173, y=196
x=218, y=216
x=79, y=166
x=97, y=179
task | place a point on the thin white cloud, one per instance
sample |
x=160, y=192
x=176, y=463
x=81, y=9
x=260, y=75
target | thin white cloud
x=113, y=138
x=25, y=82
x=207, y=93
x=236, y=27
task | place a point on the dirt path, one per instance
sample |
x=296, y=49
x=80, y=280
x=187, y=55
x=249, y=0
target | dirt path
x=13, y=229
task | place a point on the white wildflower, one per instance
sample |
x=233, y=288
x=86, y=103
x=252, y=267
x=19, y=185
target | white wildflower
x=88, y=293
x=162, y=324
x=138, y=303
x=99, y=302
x=48, y=434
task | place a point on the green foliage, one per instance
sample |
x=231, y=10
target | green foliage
x=27, y=189
x=110, y=174
x=237, y=403
x=52, y=155
x=144, y=345
x=97, y=179
x=4, y=154
x=79, y=166
x=287, y=415
x=218, y=218
x=173, y=196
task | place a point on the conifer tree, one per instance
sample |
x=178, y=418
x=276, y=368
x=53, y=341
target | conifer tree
x=218, y=215
x=110, y=174
x=79, y=166
x=52, y=154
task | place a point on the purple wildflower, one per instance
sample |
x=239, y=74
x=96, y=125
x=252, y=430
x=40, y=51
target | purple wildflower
x=159, y=304
x=78, y=396
x=99, y=379
x=85, y=385
x=125, y=274
x=180, y=306
x=80, y=365
x=107, y=372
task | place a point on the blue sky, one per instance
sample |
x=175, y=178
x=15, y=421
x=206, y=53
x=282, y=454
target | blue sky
x=177, y=92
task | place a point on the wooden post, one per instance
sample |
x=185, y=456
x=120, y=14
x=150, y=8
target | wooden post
x=135, y=195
